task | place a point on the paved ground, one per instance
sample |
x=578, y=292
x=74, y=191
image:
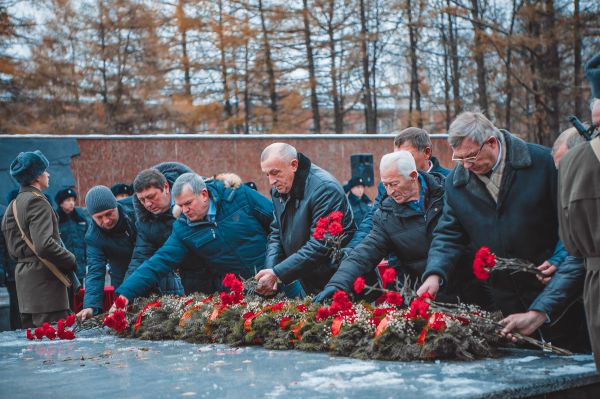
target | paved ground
x=101, y=365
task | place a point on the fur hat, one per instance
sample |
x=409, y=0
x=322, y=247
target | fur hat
x=122, y=188
x=592, y=73
x=353, y=182
x=64, y=194
x=28, y=166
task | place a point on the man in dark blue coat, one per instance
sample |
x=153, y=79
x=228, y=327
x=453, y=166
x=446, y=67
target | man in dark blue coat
x=225, y=229
x=110, y=241
x=302, y=194
x=502, y=195
x=72, y=224
x=153, y=203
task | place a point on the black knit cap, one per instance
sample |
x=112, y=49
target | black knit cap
x=64, y=194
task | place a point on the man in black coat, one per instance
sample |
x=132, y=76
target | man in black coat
x=154, y=203
x=403, y=224
x=302, y=193
x=502, y=195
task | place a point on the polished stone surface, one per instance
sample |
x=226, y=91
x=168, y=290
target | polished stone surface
x=100, y=365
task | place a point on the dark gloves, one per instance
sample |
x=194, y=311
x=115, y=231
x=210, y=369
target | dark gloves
x=325, y=294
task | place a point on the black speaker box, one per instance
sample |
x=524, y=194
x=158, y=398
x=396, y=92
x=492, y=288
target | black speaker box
x=362, y=166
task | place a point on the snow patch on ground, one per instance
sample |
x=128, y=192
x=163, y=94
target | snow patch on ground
x=524, y=359
x=574, y=369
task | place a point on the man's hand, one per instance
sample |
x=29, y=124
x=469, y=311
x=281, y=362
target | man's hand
x=326, y=293
x=267, y=282
x=522, y=323
x=113, y=308
x=431, y=285
x=547, y=270
x=85, y=314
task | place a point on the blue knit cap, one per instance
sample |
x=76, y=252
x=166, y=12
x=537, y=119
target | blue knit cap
x=99, y=199
x=592, y=72
x=28, y=166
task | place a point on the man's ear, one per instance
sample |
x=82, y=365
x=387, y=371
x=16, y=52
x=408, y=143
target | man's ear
x=204, y=194
x=166, y=187
x=427, y=152
x=414, y=174
x=294, y=165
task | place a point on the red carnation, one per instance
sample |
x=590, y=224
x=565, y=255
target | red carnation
x=340, y=297
x=335, y=229
x=394, y=298
x=248, y=315
x=30, y=336
x=285, y=322
x=236, y=286
x=39, y=333
x=483, y=262
x=68, y=335
x=277, y=307
x=120, y=302
x=336, y=216
x=389, y=276
x=50, y=333
x=322, y=313
x=322, y=223
x=319, y=233
x=60, y=327
x=229, y=279
x=45, y=326
x=438, y=322
x=70, y=320
x=302, y=308
x=109, y=322
x=119, y=315
x=359, y=285
x=226, y=299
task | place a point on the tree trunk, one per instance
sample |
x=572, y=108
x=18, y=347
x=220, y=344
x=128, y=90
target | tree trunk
x=337, y=110
x=414, y=71
x=479, y=53
x=314, y=101
x=366, y=99
x=185, y=61
x=269, y=65
x=454, y=62
x=224, y=75
x=577, y=58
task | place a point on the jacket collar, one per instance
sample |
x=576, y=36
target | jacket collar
x=517, y=157
x=300, y=177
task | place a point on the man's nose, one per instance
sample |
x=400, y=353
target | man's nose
x=272, y=180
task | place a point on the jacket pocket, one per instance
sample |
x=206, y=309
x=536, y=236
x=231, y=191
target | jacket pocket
x=201, y=238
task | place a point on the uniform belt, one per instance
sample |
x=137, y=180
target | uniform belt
x=592, y=263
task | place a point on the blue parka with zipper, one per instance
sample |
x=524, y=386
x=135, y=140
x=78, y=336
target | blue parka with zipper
x=234, y=242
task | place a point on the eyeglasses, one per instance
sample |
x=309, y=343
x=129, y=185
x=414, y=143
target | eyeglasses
x=473, y=158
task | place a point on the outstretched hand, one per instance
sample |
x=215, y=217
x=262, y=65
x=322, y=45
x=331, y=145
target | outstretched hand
x=522, y=323
x=267, y=282
x=325, y=294
x=431, y=285
x=114, y=308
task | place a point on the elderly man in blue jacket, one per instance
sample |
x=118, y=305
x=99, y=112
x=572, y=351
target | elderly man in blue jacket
x=502, y=195
x=224, y=228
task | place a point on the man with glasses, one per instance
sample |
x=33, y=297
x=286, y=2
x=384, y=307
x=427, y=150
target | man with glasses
x=502, y=195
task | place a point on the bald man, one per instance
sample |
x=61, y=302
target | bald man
x=302, y=193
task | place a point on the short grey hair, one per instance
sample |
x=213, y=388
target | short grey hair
x=281, y=150
x=402, y=160
x=570, y=137
x=474, y=126
x=417, y=137
x=192, y=180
